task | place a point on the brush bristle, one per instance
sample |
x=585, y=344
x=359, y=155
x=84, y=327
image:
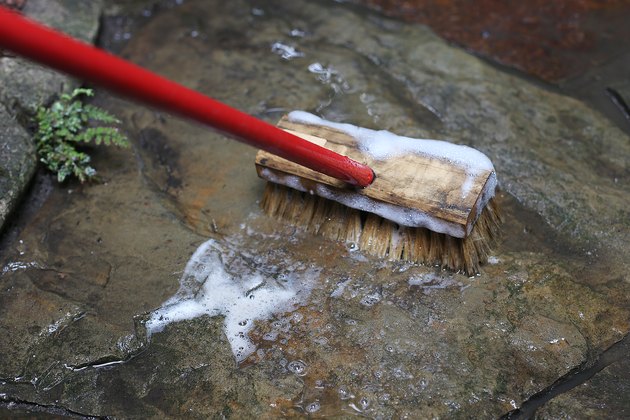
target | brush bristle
x=382, y=238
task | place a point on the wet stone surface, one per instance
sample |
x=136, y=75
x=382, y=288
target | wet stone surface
x=17, y=162
x=356, y=335
x=603, y=395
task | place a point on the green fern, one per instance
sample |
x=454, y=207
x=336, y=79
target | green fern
x=69, y=121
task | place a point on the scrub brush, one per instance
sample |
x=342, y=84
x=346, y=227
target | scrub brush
x=431, y=202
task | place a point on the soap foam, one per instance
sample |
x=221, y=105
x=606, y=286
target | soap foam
x=382, y=144
x=209, y=286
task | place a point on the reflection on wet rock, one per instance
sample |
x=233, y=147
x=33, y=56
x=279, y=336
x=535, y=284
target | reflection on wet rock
x=340, y=333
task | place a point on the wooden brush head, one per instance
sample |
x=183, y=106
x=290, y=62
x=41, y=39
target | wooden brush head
x=419, y=183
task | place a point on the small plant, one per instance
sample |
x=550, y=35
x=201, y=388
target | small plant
x=65, y=124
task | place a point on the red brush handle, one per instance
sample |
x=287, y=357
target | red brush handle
x=59, y=51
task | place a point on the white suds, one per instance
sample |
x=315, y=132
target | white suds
x=324, y=74
x=286, y=51
x=382, y=144
x=493, y=260
x=235, y=290
x=19, y=265
x=341, y=286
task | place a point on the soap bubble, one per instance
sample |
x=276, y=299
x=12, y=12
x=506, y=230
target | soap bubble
x=344, y=393
x=298, y=367
x=313, y=407
x=371, y=299
x=270, y=336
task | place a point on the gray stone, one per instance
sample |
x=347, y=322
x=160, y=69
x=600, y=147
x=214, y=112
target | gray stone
x=27, y=86
x=17, y=162
x=605, y=395
x=77, y=18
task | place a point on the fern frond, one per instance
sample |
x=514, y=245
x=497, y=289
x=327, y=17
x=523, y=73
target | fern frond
x=64, y=123
x=98, y=114
x=81, y=91
x=105, y=135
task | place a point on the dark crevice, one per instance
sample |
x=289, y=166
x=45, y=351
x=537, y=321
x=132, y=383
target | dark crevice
x=574, y=378
x=619, y=102
x=31, y=201
x=18, y=406
x=98, y=363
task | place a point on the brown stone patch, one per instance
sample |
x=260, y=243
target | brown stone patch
x=550, y=40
